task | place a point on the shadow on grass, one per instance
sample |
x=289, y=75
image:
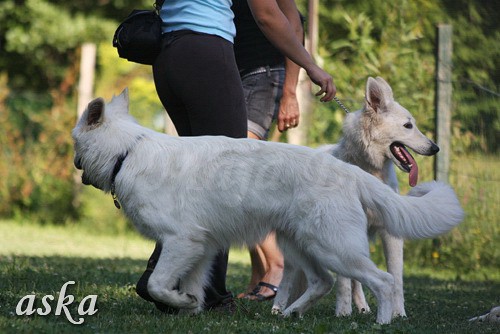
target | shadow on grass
x=432, y=305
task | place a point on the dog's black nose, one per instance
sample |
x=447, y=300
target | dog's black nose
x=78, y=163
x=434, y=149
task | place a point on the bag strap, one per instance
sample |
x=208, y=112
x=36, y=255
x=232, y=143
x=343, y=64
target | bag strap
x=158, y=4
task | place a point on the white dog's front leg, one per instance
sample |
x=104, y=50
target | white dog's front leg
x=163, y=291
x=167, y=283
x=393, y=250
x=358, y=296
x=197, y=278
x=382, y=286
x=343, y=305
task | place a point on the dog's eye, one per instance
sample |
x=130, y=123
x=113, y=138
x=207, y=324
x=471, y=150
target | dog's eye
x=408, y=125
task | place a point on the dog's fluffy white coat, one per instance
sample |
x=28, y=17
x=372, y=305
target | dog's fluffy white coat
x=199, y=194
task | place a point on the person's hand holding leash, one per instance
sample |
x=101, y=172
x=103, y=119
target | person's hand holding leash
x=324, y=80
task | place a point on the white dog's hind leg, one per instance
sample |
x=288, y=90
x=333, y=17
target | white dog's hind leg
x=319, y=283
x=393, y=250
x=281, y=301
x=294, y=283
x=349, y=291
x=178, y=257
x=379, y=282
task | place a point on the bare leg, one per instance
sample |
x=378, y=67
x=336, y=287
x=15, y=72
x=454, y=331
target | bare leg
x=274, y=260
x=259, y=268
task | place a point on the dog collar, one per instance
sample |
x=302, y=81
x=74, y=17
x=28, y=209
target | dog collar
x=116, y=170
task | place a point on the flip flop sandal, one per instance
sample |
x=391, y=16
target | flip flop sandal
x=259, y=297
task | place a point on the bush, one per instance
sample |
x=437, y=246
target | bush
x=36, y=173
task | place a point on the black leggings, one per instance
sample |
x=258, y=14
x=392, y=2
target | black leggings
x=198, y=83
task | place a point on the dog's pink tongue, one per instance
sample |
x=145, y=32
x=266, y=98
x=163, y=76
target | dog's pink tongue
x=413, y=179
x=413, y=174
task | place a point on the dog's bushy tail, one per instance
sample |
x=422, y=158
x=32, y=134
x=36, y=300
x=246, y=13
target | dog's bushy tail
x=429, y=210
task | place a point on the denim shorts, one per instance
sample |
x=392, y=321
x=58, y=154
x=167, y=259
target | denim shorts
x=263, y=88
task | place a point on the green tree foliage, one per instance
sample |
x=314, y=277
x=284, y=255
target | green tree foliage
x=396, y=40
x=36, y=159
x=39, y=62
x=41, y=40
x=476, y=73
x=39, y=46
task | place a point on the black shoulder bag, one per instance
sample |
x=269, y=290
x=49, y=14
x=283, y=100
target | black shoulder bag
x=138, y=37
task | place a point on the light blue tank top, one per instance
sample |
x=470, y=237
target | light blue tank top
x=213, y=17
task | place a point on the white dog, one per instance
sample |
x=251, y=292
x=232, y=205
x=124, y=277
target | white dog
x=200, y=194
x=374, y=138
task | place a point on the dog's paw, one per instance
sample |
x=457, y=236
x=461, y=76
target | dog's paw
x=276, y=310
x=343, y=306
x=184, y=300
x=343, y=312
x=365, y=309
x=191, y=311
x=399, y=313
x=191, y=301
x=292, y=312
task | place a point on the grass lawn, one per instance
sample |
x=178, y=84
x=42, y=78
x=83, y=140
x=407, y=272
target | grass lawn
x=40, y=260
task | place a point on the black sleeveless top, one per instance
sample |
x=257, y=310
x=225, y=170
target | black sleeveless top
x=251, y=47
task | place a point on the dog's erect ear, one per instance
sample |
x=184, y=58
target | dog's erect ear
x=121, y=100
x=95, y=111
x=124, y=93
x=385, y=86
x=378, y=94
